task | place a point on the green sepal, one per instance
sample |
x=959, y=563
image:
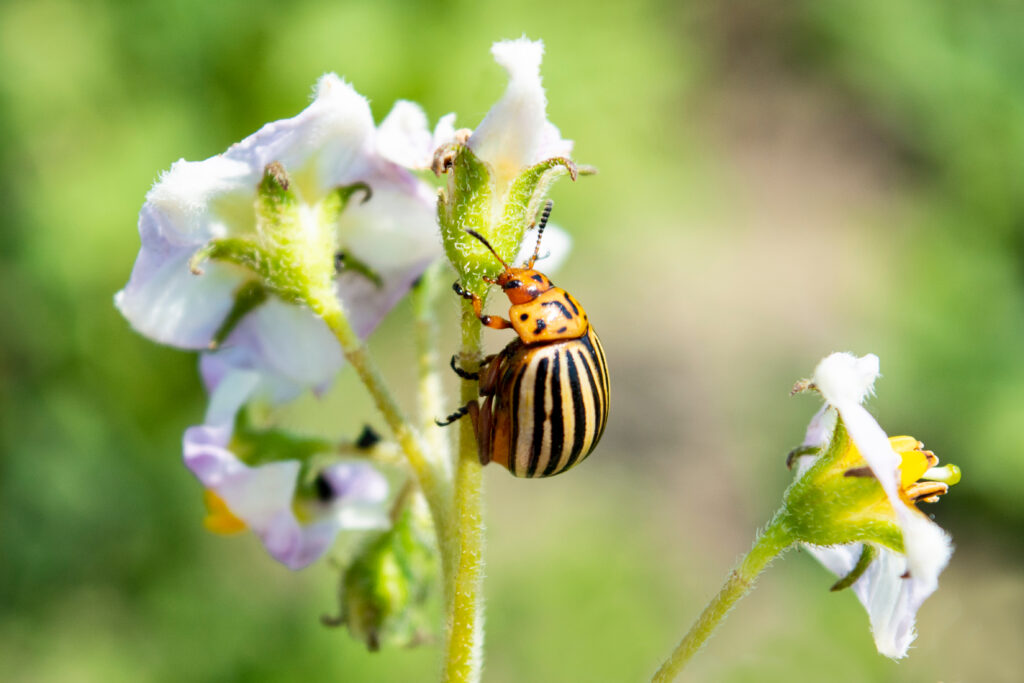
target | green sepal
x=826, y=507
x=386, y=589
x=293, y=260
x=248, y=297
x=527, y=192
x=345, y=260
x=466, y=204
x=332, y=206
x=276, y=203
x=255, y=446
x=867, y=556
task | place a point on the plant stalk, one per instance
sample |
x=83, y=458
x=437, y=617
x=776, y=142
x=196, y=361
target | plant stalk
x=771, y=543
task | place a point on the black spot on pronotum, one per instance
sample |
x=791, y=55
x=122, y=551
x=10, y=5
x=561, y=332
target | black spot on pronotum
x=512, y=284
x=368, y=438
x=562, y=329
x=574, y=309
x=538, y=277
x=524, y=316
x=561, y=307
x=541, y=326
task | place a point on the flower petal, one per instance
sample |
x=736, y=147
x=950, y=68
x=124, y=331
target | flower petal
x=553, y=251
x=895, y=584
x=515, y=131
x=168, y=303
x=843, y=378
x=326, y=145
x=890, y=600
x=287, y=344
x=403, y=137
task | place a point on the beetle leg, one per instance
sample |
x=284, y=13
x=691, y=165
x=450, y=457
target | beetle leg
x=469, y=408
x=463, y=373
x=466, y=374
x=492, y=321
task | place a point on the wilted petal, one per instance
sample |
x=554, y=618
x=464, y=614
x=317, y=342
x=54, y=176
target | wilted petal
x=890, y=599
x=515, y=134
x=895, y=584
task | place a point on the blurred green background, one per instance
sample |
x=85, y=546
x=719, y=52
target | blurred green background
x=779, y=180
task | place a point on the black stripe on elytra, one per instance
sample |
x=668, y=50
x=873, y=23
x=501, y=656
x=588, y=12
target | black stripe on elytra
x=598, y=401
x=579, y=422
x=602, y=369
x=557, y=417
x=569, y=299
x=539, y=416
x=565, y=311
x=516, y=394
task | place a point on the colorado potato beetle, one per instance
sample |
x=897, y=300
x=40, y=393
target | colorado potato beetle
x=546, y=394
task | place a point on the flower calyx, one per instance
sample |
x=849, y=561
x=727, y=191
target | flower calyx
x=291, y=251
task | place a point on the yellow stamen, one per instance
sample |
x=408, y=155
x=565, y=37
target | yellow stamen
x=919, y=464
x=219, y=518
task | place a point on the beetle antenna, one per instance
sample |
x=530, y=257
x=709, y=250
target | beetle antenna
x=487, y=244
x=544, y=215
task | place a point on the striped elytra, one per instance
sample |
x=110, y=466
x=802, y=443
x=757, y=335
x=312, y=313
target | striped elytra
x=555, y=397
x=546, y=395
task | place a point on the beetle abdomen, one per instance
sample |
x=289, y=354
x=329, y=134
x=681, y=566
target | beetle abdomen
x=557, y=398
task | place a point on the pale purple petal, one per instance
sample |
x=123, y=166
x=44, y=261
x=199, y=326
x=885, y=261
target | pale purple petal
x=403, y=137
x=165, y=301
x=331, y=139
x=355, y=482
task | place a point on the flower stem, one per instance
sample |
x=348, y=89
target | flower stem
x=430, y=393
x=436, y=487
x=771, y=543
x=431, y=405
x=464, y=647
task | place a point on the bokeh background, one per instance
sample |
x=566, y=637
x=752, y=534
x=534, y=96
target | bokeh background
x=778, y=180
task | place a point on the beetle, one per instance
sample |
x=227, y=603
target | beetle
x=545, y=395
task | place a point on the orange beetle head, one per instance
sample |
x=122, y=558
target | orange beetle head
x=522, y=284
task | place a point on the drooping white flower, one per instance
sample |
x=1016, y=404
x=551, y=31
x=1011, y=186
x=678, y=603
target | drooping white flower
x=516, y=134
x=386, y=242
x=295, y=529
x=895, y=583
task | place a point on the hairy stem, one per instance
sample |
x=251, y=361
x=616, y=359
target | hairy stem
x=436, y=487
x=430, y=406
x=430, y=393
x=772, y=542
x=464, y=647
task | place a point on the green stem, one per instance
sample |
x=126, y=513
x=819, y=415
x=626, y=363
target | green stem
x=430, y=392
x=431, y=404
x=464, y=646
x=436, y=487
x=772, y=542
